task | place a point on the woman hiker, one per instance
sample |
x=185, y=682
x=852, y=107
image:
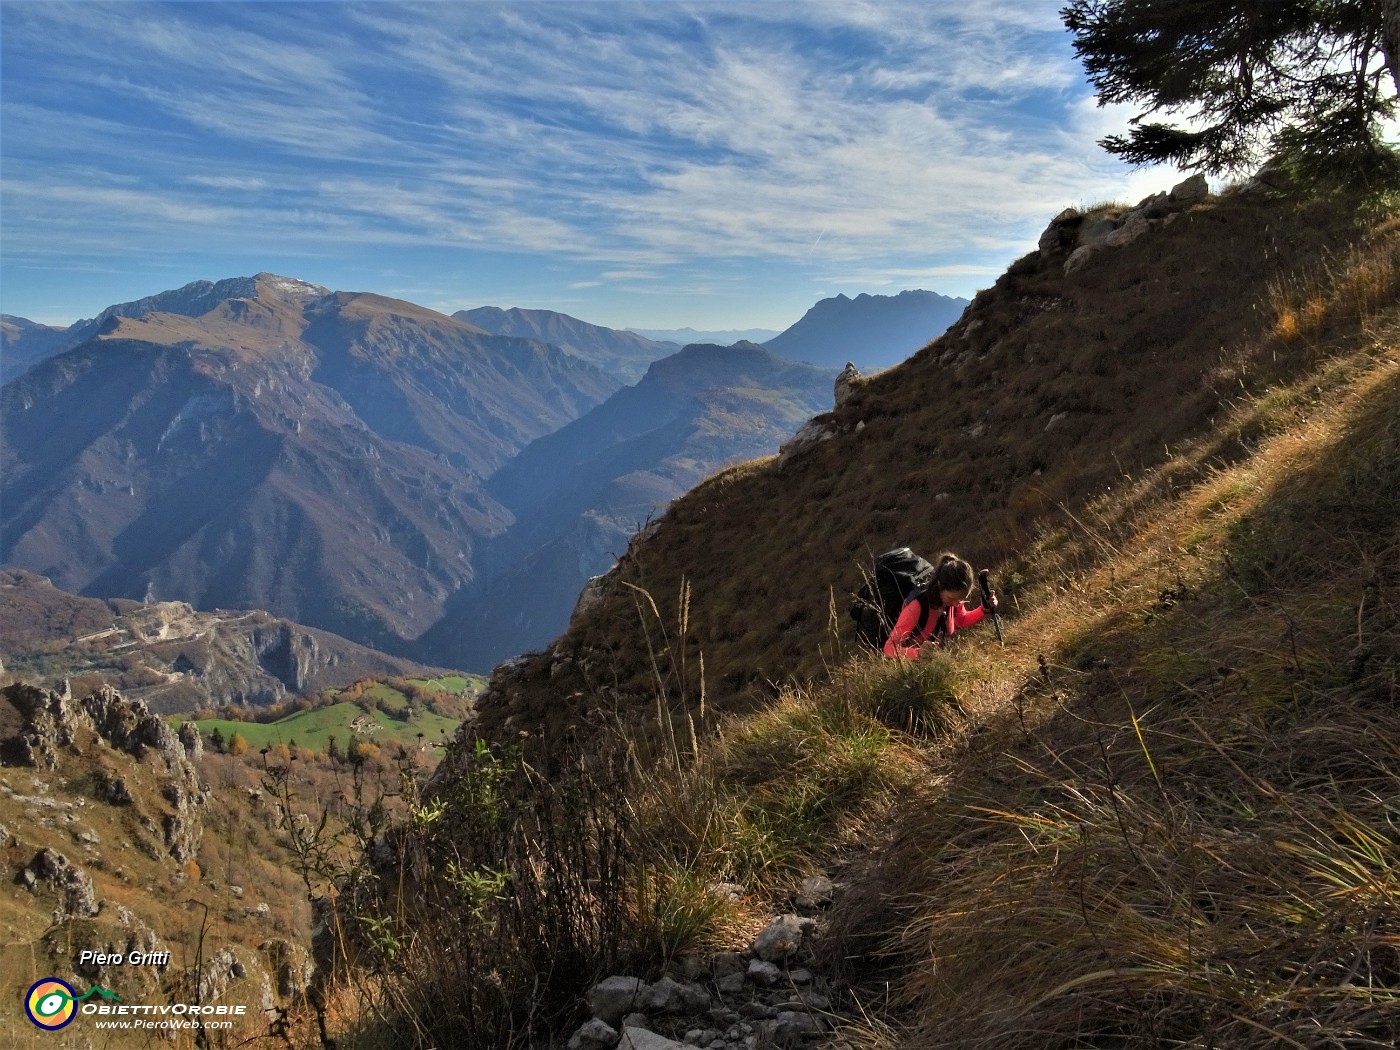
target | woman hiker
x=921, y=620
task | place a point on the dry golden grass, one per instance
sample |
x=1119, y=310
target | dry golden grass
x=1163, y=814
x=1183, y=833
x=1041, y=399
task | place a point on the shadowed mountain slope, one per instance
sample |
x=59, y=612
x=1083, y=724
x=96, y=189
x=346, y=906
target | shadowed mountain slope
x=621, y=353
x=24, y=343
x=579, y=493
x=315, y=454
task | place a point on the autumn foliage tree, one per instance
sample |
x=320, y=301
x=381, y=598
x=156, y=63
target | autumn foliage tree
x=1306, y=83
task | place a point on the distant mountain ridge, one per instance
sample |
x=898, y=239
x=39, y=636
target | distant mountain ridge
x=316, y=454
x=24, y=344
x=687, y=336
x=623, y=354
x=872, y=331
x=373, y=468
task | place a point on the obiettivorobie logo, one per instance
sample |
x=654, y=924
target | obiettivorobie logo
x=52, y=1004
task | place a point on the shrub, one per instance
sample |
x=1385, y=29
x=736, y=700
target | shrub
x=511, y=882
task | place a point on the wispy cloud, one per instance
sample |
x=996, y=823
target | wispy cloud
x=243, y=183
x=640, y=137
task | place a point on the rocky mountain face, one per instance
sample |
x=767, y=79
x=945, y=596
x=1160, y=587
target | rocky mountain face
x=171, y=657
x=621, y=353
x=52, y=723
x=103, y=810
x=578, y=495
x=316, y=454
x=871, y=331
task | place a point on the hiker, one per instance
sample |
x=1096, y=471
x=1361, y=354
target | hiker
x=921, y=620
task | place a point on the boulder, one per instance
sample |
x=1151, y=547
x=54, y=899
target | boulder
x=1061, y=232
x=668, y=996
x=641, y=1039
x=595, y=1035
x=591, y=596
x=1272, y=177
x=845, y=383
x=733, y=983
x=764, y=973
x=810, y=433
x=1080, y=256
x=1155, y=206
x=781, y=938
x=1191, y=190
x=615, y=997
x=1135, y=224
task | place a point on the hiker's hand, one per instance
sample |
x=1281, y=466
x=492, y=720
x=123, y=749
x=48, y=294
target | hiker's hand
x=989, y=602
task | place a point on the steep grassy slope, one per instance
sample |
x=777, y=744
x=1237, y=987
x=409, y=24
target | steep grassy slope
x=1162, y=815
x=1165, y=814
x=1046, y=394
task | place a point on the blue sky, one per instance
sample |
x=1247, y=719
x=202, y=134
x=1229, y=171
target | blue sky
x=656, y=164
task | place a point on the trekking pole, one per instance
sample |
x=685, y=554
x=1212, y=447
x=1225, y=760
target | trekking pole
x=985, y=584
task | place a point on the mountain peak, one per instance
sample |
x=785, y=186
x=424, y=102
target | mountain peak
x=288, y=287
x=199, y=297
x=874, y=331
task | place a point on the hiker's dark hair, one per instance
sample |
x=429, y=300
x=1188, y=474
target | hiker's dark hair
x=952, y=574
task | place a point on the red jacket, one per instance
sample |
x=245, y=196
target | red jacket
x=902, y=641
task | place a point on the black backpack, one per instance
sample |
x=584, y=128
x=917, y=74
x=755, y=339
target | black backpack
x=897, y=575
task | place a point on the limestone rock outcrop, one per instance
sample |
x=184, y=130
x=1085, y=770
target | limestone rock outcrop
x=1083, y=236
x=54, y=723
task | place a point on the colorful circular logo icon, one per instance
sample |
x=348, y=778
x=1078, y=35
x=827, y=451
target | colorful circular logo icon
x=50, y=1003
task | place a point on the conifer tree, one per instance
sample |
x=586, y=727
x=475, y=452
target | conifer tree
x=1308, y=83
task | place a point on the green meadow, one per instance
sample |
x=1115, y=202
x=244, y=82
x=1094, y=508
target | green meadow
x=380, y=714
